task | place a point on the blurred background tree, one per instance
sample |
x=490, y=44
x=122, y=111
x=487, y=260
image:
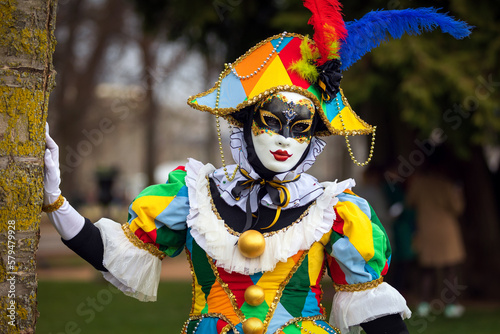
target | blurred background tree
x=418, y=90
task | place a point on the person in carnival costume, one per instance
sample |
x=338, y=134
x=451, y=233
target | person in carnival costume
x=260, y=234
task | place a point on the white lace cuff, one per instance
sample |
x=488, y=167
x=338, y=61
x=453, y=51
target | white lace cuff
x=133, y=270
x=350, y=309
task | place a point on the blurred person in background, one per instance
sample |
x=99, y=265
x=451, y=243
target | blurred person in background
x=438, y=243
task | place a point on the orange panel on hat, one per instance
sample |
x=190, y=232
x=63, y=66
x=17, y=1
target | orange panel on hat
x=251, y=63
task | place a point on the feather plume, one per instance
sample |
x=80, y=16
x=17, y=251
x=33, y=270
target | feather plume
x=329, y=27
x=377, y=26
x=305, y=67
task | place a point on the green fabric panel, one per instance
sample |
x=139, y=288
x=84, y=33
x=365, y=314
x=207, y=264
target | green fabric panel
x=292, y=329
x=176, y=180
x=377, y=222
x=202, y=269
x=295, y=292
x=334, y=237
x=255, y=311
x=192, y=325
x=381, y=245
x=174, y=239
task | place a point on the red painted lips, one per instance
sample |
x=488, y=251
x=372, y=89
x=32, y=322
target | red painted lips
x=281, y=155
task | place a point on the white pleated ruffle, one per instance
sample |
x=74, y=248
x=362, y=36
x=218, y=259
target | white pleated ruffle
x=217, y=240
x=133, y=270
x=349, y=309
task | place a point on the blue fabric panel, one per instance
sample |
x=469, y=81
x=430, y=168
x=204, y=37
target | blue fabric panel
x=311, y=307
x=280, y=317
x=174, y=215
x=358, y=201
x=350, y=261
x=256, y=277
x=275, y=42
x=208, y=326
x=189, y=241
x=131, y=213
x=231, y=93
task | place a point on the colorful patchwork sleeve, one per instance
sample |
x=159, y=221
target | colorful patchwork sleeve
x=359, y=255
x=158, y=215
x=359, y=248
x=156, y=228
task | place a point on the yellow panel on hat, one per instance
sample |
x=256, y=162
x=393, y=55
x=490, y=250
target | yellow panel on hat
x=251, y=63
x=353, y=124
x=275, y=75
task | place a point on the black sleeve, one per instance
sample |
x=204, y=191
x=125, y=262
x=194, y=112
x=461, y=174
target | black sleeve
x=390, y=324
x=88, y=245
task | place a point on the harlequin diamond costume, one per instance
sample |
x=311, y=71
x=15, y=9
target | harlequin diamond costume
x=261, y=234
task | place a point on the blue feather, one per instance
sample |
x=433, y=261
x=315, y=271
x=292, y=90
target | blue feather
x=377, y=26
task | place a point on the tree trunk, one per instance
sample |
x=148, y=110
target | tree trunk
x=26, y=79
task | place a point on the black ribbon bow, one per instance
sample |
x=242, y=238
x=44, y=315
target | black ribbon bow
x=278, y=193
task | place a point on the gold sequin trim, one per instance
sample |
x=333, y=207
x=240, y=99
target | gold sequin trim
x=279, y=293
x=54, y=206
x=294, y=320
x=266, y=234
x=141, y=244
x=359, y=286
x=209, y=315
x=227, y=290
x=193, y=281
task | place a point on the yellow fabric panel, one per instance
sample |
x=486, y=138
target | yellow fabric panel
x=199, y=297
x=274, y=75
x=251, y=63
x=357, y=227
x=271, y=280
x=316, y=256
x=146, y=209
x=218, y=302
x=325, y=239
x=308, y=325
x=350, y=120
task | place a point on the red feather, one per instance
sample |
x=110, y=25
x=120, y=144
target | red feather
x=328, y=25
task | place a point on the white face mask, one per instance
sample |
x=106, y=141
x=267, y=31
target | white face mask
x=281, y=130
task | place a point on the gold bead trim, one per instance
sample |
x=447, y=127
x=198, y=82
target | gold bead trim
x=141, y=244
x=208, y=315
x=346, y=136
x=359, y=286
x=217, y=122
x=267, y=234
x=54, y=206
x=295, y=321
x=326, y=329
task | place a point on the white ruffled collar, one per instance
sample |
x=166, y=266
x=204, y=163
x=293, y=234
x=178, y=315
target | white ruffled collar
x=302, y=191
x=212, y=234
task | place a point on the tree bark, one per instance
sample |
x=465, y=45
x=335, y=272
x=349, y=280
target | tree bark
x=26, y=79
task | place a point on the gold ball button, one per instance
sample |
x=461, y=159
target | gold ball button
x=251, y=244
x=253, y=326
x=254, y=295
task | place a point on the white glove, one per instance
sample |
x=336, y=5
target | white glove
x=52, y=176
x=67, y=221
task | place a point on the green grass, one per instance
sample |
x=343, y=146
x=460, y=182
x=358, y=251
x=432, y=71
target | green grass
x=80, y=307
